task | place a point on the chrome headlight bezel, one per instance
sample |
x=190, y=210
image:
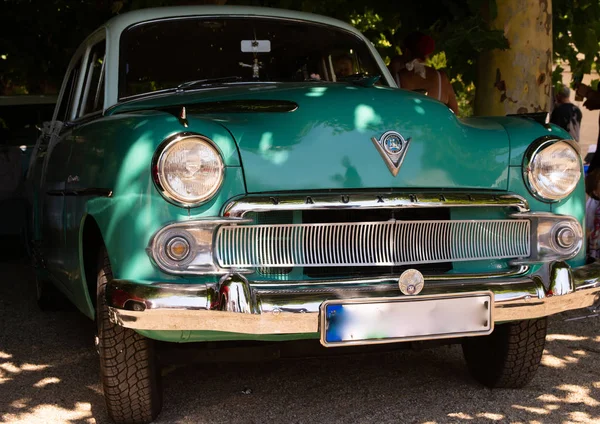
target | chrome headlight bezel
x=162, y=184
x=545, y=229
x=200, y=236
x=536, y=148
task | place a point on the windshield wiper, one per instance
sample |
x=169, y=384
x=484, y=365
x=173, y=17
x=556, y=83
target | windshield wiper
x=363, y=80
x=207, y=81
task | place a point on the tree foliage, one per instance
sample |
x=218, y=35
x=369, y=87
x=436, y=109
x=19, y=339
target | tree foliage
x=576, y=35
x=38, y=38
x=458, y=26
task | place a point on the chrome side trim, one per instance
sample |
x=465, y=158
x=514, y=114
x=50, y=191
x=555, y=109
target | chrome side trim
x=240, y=207
x=91, y=191
x=271, y=311
x=385, y=243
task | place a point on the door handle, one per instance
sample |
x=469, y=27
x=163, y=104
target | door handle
x=73, y=179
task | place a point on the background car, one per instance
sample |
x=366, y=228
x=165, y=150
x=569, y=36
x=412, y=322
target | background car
x=21, y=121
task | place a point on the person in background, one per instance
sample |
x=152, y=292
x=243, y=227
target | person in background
x=592, y=102
x=565, y=114
x=592, y=213
x=343, y=66
x=411, y=73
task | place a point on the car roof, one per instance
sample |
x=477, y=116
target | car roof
x=121, y=22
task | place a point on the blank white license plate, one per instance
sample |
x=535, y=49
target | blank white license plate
x=369, y=321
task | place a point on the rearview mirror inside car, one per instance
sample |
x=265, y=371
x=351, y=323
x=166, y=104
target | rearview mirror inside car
x=256, y=46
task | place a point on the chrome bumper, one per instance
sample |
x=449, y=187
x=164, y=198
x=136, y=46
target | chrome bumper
x=237, y=306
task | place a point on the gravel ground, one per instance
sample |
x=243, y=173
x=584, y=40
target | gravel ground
x=49, y=374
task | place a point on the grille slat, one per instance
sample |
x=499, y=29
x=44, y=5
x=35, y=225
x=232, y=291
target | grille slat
x=387, y=243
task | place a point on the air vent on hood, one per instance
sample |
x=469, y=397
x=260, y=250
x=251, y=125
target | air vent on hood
x=225, y=106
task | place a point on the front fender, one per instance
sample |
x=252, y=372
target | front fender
x=522, y=132
x=113, y=155
x=129, y=219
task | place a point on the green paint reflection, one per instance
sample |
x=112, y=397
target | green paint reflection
x=273, y=154
x=128, y=188
x=365, y=116
x=138, y=265
x=316, y=92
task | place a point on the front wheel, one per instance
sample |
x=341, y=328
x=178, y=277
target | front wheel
x=129, y=373
x=510, y=356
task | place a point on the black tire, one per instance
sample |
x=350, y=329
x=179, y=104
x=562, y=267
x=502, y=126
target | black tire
x=510, y=356
x=129, y=372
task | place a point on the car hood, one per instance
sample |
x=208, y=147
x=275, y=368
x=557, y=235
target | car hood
x=324, y=141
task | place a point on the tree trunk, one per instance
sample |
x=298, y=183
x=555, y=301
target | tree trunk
x=518, y=80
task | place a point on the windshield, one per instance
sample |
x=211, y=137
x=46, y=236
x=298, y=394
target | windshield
x=166, y=54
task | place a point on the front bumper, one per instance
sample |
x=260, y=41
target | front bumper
x=237, y=306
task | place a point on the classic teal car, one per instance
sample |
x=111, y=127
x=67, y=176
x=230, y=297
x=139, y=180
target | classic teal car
x=210, y=175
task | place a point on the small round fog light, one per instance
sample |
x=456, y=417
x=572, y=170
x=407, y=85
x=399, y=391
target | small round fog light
x=178, y=248
x=566, y=237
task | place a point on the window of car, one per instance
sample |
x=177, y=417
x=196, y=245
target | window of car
x=164, y=54
x=92, y=99
x=68, y=95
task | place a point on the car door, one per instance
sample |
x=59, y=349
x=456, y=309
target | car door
x=49, y=174
x=80, y=185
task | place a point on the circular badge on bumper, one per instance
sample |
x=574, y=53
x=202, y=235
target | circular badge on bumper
x=411, y=282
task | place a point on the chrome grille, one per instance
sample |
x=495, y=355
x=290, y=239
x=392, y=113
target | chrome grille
x=371, y=243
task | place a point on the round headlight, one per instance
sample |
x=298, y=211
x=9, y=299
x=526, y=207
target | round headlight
x=188, y=169
x=552, y=169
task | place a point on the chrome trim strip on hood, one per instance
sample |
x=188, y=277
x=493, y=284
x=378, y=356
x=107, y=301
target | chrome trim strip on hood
x=263, y=203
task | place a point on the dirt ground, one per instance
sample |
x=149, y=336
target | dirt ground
x=49, y=374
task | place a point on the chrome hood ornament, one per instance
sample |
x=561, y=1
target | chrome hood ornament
x=392, y=147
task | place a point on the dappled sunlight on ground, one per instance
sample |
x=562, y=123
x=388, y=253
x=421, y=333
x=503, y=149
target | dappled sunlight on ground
x=565, y=337
x=49, y=373
x=39, y=414
x=490, y=416
x=48, y=367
